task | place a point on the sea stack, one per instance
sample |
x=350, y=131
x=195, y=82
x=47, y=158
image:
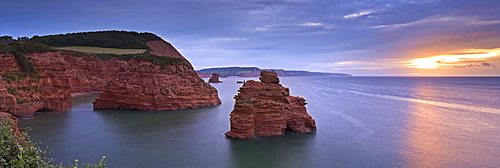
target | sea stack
x=266, y=109
x=214, y=78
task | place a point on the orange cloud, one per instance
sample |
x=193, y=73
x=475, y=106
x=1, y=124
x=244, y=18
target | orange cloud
x=455, y=59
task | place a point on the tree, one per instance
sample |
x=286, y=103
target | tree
x=4, y=38
x=23, y=38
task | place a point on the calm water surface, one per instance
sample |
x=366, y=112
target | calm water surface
x=362, y=122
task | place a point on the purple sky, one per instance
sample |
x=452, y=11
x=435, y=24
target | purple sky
x=360, y=37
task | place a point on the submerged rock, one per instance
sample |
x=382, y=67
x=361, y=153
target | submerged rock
x=266, y=109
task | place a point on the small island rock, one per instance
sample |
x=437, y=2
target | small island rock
x=266, y=109
x=214, y=78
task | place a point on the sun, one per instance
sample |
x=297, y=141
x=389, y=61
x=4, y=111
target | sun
x=456, y=59
x=424, y=63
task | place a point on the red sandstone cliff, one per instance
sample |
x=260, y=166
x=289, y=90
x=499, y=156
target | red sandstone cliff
x=64, y=72
x=143, y=85
x=266, y=109
x=26, y=94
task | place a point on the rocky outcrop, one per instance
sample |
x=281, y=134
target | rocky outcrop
x=49, y=90
x=142, y=85
x=214, y=78
x=266, y=109
x=7, y=101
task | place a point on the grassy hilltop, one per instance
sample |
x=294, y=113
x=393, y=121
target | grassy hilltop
x=104, y=45
x=106, y=39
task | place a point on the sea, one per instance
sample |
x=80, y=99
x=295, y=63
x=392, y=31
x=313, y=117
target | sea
x=361, y=122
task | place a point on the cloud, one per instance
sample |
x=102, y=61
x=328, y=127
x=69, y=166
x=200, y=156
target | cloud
x=467, y=21
x=466, y=56
x=486, y=64
x=297, y=28
x=251, y=5
x=223, y=39
x=364, y=65
x=464, y=66
x=364, y=13
x=312, y=24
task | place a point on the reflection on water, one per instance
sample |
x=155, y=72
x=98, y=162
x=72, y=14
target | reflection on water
x=291, y=150
x=425, y=135
x=362, y=122
x=453, y=136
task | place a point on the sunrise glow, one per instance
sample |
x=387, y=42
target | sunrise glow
x=464, y=57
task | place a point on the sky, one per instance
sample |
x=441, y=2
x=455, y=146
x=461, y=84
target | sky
x=358, y=37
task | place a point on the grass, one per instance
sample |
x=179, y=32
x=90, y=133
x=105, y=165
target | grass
x=97, y=50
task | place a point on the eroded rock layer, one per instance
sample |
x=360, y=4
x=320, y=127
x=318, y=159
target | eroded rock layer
x=266, y=109
x=133, y=84
x=143, y=85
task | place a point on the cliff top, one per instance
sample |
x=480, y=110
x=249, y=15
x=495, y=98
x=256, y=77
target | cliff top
x=107, y=39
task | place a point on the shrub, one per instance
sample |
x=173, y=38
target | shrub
x=19, y=151
x=19, y=49
x=26, y=66
x=21, y=101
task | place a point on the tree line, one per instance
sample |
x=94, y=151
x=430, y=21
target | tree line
x=108, y=39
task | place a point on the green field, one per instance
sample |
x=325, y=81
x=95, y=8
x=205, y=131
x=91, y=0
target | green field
x=97, y=50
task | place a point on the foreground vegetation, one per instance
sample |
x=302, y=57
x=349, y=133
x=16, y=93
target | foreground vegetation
x=19, y=151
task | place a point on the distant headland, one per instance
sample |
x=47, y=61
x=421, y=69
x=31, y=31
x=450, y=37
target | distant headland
x=255, y=72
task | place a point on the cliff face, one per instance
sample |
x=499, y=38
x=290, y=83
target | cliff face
x=7, y=101
x=87, y=74
x=21, y=95
x=55, y=88
x=51, y=88
x=266, y=109
x=142, y=85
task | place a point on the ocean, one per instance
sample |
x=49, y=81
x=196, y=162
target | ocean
x=361, y=121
